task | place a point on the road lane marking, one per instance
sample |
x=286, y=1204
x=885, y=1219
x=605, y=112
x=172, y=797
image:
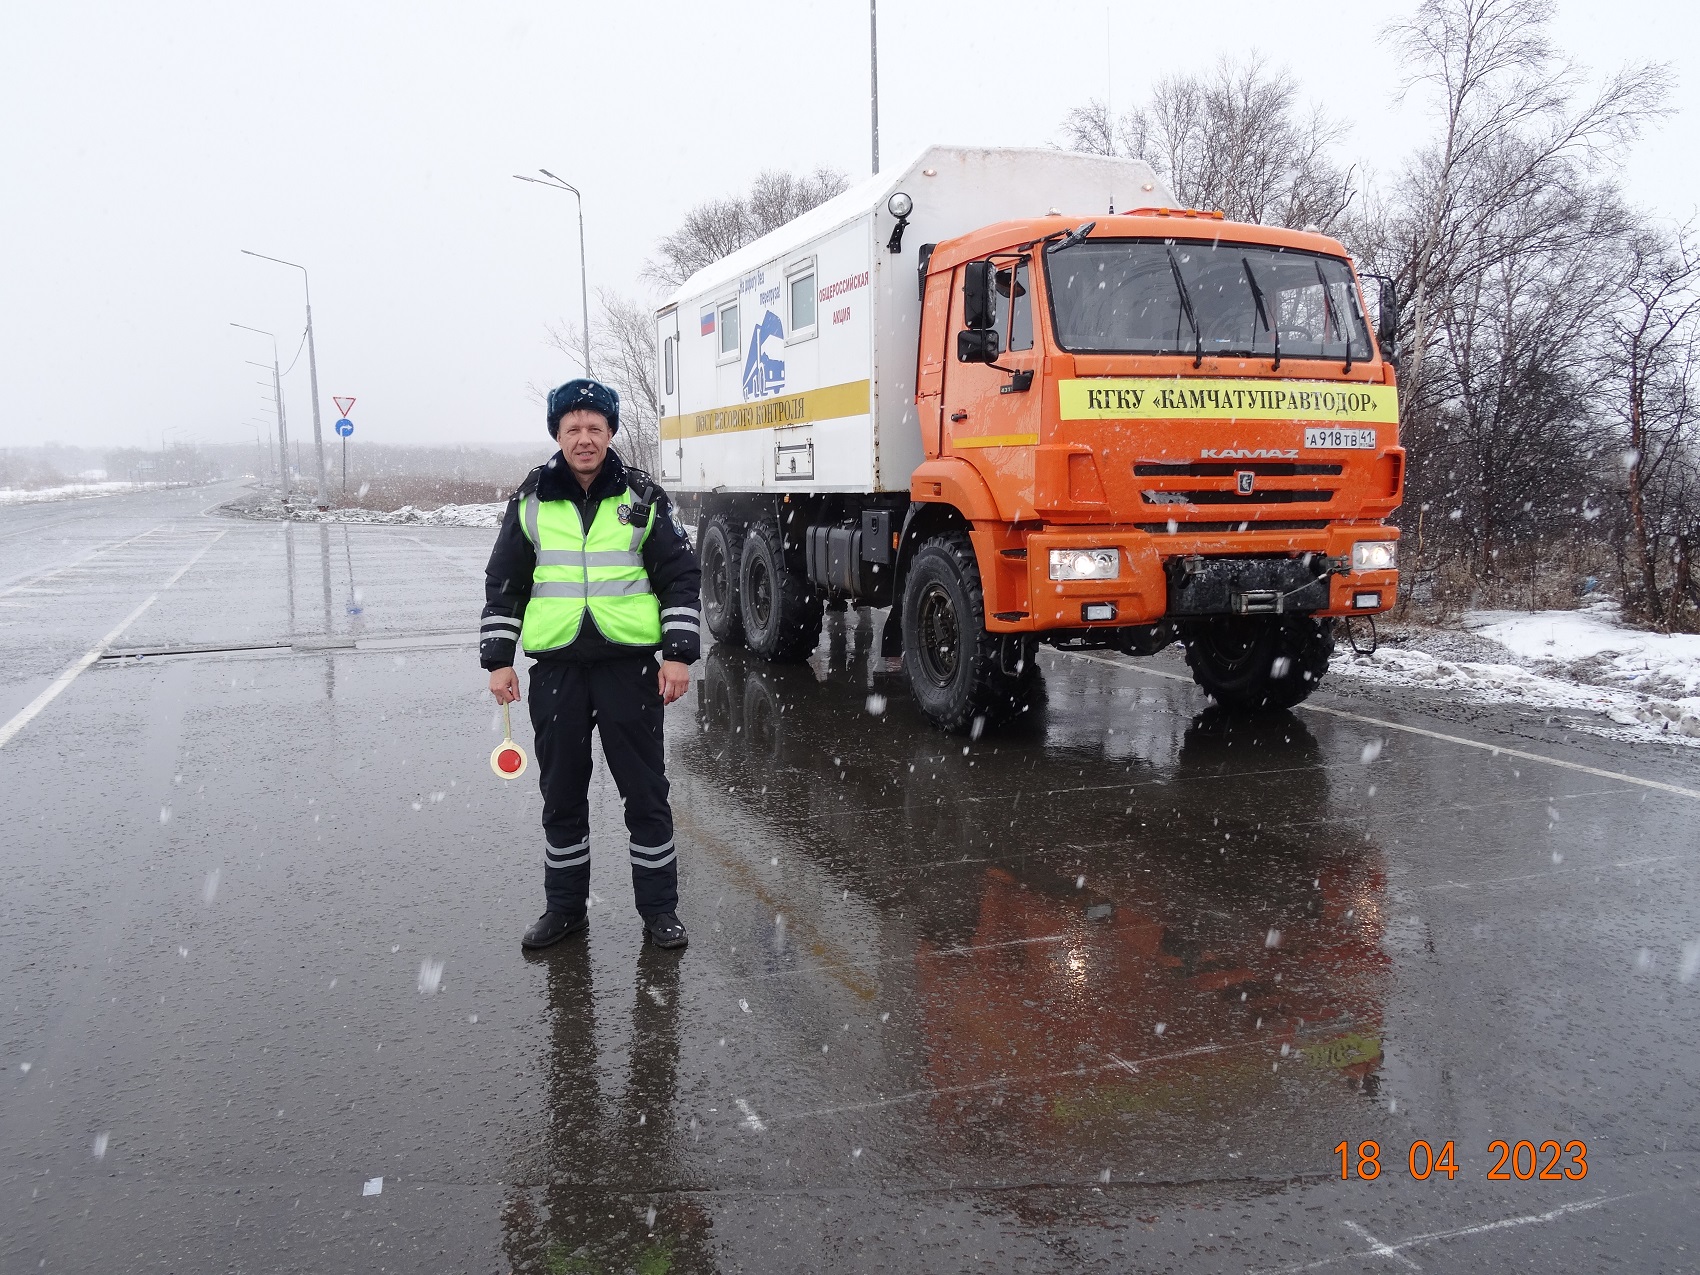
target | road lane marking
x=998, y=1082
x=914, y=958
x=24, y=582
x=752, y=1121
x=1478, y=1228
x=1495, y=749
x=26, y=714
x=1379, y=1248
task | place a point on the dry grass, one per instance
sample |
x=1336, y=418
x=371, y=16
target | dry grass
x=1436, y=587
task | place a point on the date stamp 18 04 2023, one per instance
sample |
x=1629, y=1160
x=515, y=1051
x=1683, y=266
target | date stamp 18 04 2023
x=1524, y=1160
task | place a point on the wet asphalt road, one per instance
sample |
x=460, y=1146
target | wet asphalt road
x=1100, y=992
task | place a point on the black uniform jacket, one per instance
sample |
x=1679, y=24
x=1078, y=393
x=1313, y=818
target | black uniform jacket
x=667, y=557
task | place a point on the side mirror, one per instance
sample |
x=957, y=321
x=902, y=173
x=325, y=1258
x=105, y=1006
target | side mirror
x=977, y=347
x=979, y=303
x=1387, y=322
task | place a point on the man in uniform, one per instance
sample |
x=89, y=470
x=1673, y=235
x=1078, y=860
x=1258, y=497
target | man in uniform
x=593, y=574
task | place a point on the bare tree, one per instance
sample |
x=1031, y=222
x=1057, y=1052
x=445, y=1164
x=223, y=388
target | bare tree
x=717, y=228
x=1652, y=356
x=1510, y=130
x=623, y=351
x=1235, y=138
x=1516, y=422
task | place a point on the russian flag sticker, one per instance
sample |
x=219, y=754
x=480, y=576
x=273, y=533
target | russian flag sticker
x=708, y=321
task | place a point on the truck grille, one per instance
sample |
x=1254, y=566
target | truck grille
x=1275, y=496
x=1228, y=468
x=1261, y=524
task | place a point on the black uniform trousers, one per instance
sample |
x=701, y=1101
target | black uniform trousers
x=621, y=700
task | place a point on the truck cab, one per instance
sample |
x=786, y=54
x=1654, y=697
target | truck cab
x=1144, y=428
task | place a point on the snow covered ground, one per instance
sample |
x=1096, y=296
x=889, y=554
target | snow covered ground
x=1645, y=685
x=70, y=491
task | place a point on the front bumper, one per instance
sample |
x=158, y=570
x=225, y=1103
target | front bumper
x=1185, y=576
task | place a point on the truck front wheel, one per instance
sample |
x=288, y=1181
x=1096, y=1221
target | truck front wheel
x=954, y=665
x=1251, y=663
x=781, y=614
x=722, y=552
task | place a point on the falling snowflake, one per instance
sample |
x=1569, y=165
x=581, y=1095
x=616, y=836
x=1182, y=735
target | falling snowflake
x=100, y=1140
x=209, y=887
x=430, y=976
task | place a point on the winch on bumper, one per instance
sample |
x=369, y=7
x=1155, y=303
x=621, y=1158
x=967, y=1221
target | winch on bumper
x=1248, y=586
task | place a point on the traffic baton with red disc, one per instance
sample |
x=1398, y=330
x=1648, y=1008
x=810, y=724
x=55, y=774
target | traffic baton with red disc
x=508, y=759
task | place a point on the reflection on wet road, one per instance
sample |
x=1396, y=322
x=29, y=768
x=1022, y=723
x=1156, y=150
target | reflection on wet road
x=1100, y=942
x=1103, y=991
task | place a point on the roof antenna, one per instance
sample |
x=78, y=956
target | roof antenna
x=1112, y=205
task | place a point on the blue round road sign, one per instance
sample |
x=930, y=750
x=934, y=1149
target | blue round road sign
x=345, y=427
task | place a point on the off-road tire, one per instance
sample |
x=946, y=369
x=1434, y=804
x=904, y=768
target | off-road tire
x=1258, y=663
x=953, y=664
x=722, y=556
x=781, y=614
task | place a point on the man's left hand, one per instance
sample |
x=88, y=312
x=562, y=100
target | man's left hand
x=675, y=680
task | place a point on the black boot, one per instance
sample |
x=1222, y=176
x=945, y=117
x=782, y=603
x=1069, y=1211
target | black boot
x=552, y=927
x=664, y=930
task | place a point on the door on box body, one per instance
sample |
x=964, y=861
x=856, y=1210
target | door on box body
x=671, y=443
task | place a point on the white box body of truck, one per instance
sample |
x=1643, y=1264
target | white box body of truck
x=790, y=364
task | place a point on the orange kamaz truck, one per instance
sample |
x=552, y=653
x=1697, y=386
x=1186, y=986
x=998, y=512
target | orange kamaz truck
x=975, y=392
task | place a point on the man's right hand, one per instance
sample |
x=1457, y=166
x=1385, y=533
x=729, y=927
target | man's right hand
x=504, y=685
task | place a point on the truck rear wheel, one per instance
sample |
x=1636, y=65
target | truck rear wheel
x=1250, y=663
x=722, y=552
x=781, y=614
x=954, y=665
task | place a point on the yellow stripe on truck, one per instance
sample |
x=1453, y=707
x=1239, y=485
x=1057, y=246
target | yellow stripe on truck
x=994, y=440
x=1178, y=398
x=853, y=398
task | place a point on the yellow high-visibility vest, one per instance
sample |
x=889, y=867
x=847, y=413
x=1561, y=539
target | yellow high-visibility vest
x=602, y=570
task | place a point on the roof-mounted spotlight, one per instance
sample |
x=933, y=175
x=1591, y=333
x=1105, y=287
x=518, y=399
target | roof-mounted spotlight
x=899, y=206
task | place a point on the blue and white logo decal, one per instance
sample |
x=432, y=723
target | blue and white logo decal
x=764, y=365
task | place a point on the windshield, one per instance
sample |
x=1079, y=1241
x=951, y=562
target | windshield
x=1124, y=296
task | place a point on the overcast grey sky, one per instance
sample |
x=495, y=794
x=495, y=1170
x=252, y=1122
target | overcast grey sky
x=144, y=145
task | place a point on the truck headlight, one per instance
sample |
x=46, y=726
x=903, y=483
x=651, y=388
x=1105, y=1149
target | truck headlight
x=1085, y=564
x=1375, y=555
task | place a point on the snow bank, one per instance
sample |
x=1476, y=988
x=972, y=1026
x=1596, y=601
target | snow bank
x=444, y=516
x=1593, y=642
x=71, y=491
x=1647, y=685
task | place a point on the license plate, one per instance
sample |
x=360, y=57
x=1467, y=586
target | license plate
x=1360, y=439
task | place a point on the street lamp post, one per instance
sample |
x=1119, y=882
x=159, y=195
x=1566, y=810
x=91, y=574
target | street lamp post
x=312, y=373
x=874, y=76
x=557, y=183
x=277, y=402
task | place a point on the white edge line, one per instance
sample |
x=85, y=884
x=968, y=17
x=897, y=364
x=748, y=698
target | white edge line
x=1496, y=749
x=1378, y=1247
x=1478, y=1228
x=27, y=714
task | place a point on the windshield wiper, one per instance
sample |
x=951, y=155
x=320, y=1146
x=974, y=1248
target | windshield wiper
x=1333, y=316
x=1186, y=305
x=1077, y=235
x=1262, y=312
